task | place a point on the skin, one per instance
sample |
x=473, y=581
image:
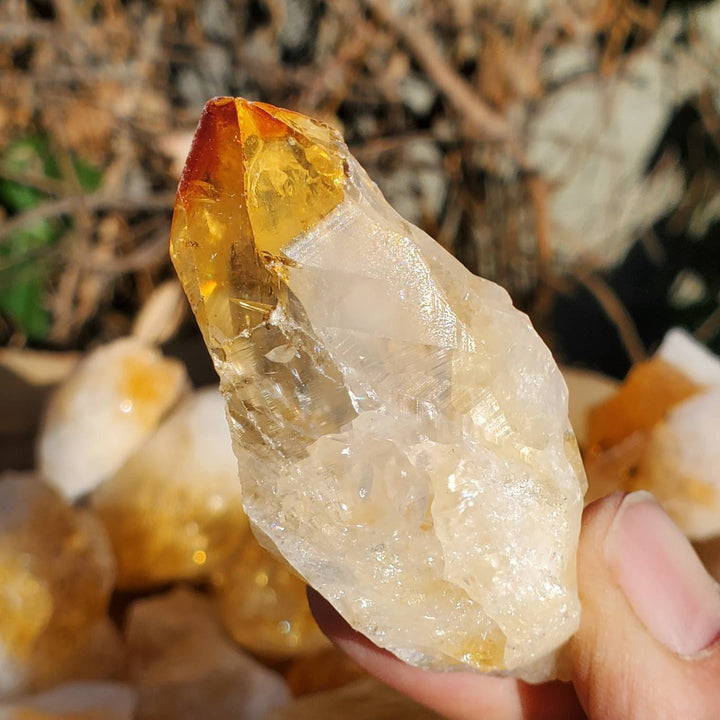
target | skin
x=618, y=670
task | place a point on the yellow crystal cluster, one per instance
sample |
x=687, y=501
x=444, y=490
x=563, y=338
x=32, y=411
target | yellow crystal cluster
x=174, y=510
x=164, y=506
x=402, y=429
x=56, y=576
x=263, y=605
x=650, y=390
x=656, y=434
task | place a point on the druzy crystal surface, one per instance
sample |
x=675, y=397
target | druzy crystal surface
x=402, y=429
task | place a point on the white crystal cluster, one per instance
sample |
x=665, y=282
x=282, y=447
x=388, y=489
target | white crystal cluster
x=683, y=453
x=102, y=414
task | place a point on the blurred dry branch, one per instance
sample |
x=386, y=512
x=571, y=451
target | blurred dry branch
x=483, y=120
x=534, y=140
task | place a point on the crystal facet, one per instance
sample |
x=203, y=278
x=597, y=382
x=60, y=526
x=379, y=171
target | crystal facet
x=403, y=428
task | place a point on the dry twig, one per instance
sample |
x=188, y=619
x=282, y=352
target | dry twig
x=617, y=314
x=484, y=121
x=89, y=203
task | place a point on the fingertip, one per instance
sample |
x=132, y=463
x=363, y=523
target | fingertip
x=599, y=514
x=646, y=605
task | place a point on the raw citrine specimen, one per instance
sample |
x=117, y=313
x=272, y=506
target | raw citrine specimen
x=677, y=459
x=56, y=576
x=402, y=429
x=658, y=433
x=174, y=511
x=264, y=606
x=650, y=390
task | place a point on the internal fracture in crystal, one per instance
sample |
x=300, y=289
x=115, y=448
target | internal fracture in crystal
x=403, y=428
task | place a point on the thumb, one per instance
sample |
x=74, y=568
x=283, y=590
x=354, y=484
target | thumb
x=648, y=640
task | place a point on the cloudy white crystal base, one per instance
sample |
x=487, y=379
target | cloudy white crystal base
x=444, y=513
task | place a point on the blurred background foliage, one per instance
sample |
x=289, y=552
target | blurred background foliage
x=568, y=149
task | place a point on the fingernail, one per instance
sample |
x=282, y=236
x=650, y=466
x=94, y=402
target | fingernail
x=662, y=577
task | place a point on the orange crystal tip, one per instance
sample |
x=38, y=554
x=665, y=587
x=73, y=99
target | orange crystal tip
x=256, y=178
x=286, y=170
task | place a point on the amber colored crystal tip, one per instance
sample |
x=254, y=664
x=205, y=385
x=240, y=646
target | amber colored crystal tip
x=257, y=177
x=240, y=118
x=279, y=170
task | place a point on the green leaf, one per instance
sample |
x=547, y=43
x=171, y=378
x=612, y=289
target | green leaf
x=23, y=300
x=24, y=275
x=18, y=198
x=89, y=176
x=24, y=267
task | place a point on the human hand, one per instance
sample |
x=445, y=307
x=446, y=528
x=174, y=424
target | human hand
x=648, y=644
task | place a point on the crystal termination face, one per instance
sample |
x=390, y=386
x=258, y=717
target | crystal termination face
x=401, y=429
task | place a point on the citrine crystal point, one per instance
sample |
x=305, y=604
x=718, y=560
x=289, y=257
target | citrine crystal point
x=256, y=177
x=284, y=169
x=402, y=430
